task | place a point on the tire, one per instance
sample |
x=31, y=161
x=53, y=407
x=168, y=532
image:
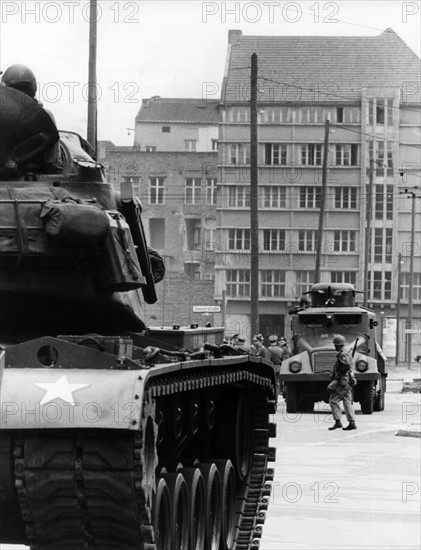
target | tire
x=291, y=397
x=180, y=520
x=213, y=507
x=380, y=396
x=162, y=516
x=197, y=499
x=367, y=396
x=305, y=404
x=228, y=489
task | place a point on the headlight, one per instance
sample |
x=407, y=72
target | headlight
x=295, y=366
x=361, y=365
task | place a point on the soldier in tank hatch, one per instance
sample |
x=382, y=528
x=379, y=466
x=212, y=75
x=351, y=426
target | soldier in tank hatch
x=21, y=78
x=340, y=387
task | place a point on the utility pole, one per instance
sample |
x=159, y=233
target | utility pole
x=322, y=205
x=413, y=196
x=254, y=203
x=92, y=77
x=368, y=231
x=398, y=315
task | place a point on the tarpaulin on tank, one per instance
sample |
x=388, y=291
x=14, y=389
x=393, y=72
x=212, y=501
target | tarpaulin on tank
x=22, y=230
x=26, y=128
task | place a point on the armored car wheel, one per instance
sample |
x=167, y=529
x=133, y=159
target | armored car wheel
x=380, y=396
x=291, y=397
x=367, y=392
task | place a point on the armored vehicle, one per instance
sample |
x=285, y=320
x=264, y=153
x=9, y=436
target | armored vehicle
x=113, y=436
x=306, y=374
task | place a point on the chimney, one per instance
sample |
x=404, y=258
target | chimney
x=234, y=36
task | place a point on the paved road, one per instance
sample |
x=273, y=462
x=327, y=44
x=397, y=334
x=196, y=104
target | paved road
x=345, y=490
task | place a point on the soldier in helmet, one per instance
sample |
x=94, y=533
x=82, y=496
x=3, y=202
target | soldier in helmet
x=340, y=387
x=21, y=78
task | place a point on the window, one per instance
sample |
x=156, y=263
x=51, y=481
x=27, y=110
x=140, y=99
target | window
x=238, y=114
x=166, y=129
x=346, y=155
x=382, y=245
x=416, y=287
x=343, y=277
x=310, y=197
x=150, y=148
x=275, y=153
x=303, y=281
x=381, y=287
x=193, y=233
x=344, y=241
x=239, y=239
x=238, y=153
x=348, y=114
x=380, y=111
x=272, y=196
x=156, y=191
x=311, y=115
x=311, y=155
x=307, y=240
x=346, y=198
x=239, y=196
x=384, y=202
x=275, y=115
x=190, y=145
x=274, y=239
x=214, y=144
x=211, y=190
x=157, y=232
x=210, y=244
x=192, y=271
x=193, y=191
x=238, y=283
x=272, y=283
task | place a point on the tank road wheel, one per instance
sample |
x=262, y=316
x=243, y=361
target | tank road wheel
x=243, y=436
x=162, y=516
x=228, y=489
x=180, y=521
x=197, y=511
x=380, y=397
x=291, y=397
x=367, y=396
x=213, y=505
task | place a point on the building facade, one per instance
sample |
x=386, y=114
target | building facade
x=368, y=89
x=178, y=191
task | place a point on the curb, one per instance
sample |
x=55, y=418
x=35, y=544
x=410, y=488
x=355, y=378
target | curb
x=409, y=433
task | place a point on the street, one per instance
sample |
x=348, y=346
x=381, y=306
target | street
x=344, y=490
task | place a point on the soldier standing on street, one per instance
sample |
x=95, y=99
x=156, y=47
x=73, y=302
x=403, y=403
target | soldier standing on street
x=257, y=348
x=342, y=382
x=276, y=353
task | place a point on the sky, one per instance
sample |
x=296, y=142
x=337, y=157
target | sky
x=166, y=48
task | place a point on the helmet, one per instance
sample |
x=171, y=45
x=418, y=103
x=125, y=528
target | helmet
x=21, y=78
x=339, y=340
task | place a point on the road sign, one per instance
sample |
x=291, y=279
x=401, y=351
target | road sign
x=206, y=309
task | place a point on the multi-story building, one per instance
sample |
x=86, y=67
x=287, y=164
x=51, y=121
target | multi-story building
x=369, y=89
x=173, y=168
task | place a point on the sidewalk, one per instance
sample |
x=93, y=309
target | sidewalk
x=411, y=383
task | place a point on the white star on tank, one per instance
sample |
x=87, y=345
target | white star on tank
x=60, y=389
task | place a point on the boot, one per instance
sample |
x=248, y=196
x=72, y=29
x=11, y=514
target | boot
x=351, y=426
x=338, y=424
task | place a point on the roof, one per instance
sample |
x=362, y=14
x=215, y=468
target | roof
x=296, y=68
x=198, y=111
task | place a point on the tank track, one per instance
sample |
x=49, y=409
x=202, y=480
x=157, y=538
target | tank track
x=121, y=490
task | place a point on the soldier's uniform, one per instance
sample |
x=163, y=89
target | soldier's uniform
x=345, y=380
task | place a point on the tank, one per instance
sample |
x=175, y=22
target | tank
x=113, y=435
x=332, y=309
